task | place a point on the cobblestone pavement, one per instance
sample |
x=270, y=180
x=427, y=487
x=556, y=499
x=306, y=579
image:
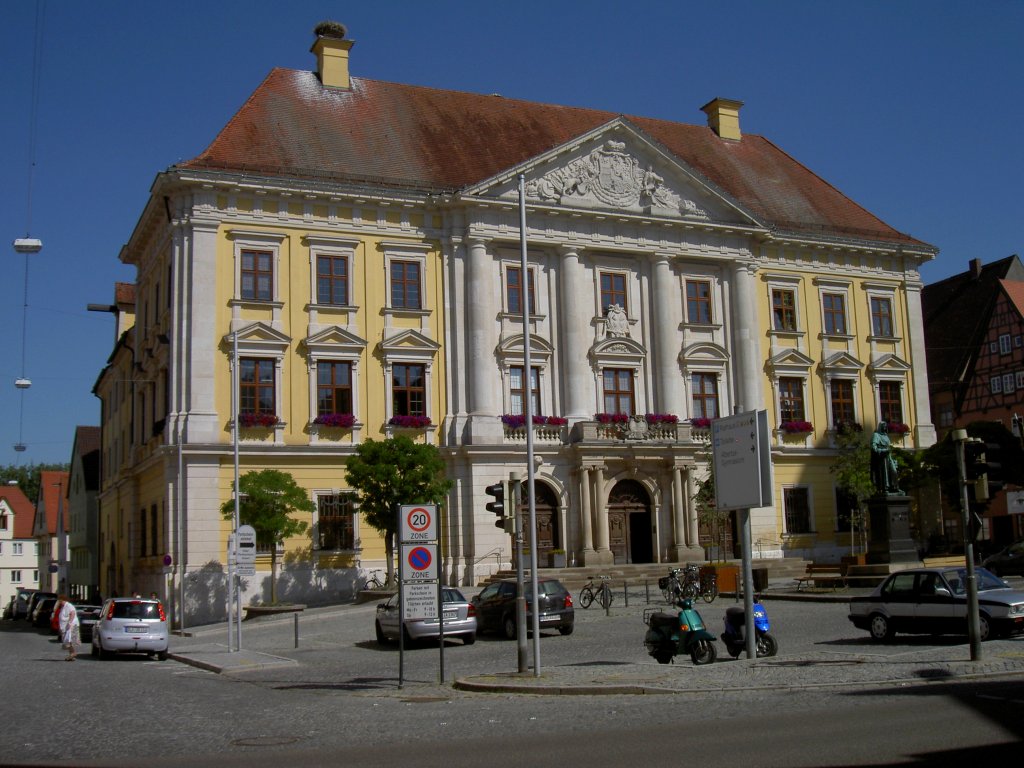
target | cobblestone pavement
x=207, y=648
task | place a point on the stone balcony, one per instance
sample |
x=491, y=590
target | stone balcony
x=635, y=430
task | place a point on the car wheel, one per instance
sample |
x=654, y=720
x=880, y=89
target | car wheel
x=565, y=629
x=95, y=652
x=469, y=639
x=161, y=655
x=880, y=628
x=508, y=624
x=381, y=637
x=984, y=628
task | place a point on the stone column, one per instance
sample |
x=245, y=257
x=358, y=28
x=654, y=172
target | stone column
x=574, y=310
x=924, y=430
x=586, y=515
x=746, y=345
x=666, y=347
x=693, y=529
x=202, y=354
x=601, y=535
x=679, y=529
x=483, y=376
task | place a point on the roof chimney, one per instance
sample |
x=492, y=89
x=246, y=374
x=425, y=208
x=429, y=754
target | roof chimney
x=724, y=117
x=975, y=267
x=331, y=51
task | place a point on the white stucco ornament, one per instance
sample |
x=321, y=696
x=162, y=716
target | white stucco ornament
x=612, y=176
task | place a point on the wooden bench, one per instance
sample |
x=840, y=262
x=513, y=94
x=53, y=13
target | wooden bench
x=822, y=576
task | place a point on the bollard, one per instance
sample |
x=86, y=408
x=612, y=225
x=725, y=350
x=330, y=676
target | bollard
x=296, y=617
x=647, y=590
x=625, y=592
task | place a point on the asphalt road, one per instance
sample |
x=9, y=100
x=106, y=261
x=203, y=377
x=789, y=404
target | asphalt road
x=341, y=705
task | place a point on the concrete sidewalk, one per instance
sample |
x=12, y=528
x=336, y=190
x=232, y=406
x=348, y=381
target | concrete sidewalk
x=207, y=648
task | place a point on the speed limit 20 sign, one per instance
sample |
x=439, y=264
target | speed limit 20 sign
x=418, y=522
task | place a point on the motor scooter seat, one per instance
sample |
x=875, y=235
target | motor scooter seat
x=735, y=615
x=662, y=619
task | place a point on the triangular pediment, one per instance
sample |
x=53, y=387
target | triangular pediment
x=889, y=363
x=334, y=340
x=259, y=335
x=617, y=167
x=842, y=362
x=789, y=360
x=409, y=343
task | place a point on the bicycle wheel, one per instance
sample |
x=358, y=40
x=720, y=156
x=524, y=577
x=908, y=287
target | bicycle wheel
x=710, y=591
x=606, y=597
x=586, y=597
x=372, y=583
x=689, y=590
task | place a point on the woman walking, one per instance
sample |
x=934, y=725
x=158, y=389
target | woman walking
x=68, y=623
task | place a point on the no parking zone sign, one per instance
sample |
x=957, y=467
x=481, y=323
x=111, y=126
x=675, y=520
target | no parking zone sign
x=419, y=562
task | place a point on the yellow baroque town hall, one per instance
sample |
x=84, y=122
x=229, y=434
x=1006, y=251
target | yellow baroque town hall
x=349, y=249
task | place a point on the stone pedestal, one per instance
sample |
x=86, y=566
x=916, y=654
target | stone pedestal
x=890, y=531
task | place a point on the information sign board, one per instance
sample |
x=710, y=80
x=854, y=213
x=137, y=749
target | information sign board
x=245, y=545
x=419, y=600
x=742, y=460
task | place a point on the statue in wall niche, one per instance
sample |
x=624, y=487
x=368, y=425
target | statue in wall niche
x=616, y=323
x=883, y=463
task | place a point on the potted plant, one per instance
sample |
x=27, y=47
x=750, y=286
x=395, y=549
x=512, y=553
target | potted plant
x=257, y=419
x=796, y=427
x=342, y=420
x=409, y=422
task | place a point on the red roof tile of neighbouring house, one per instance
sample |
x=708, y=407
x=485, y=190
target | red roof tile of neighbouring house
x=1015, y=291
x=428, y=139
x=22, y=509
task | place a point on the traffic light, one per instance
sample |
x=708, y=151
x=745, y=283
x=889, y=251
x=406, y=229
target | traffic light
x=498, y=505
x=994, y=467
x=976, y=468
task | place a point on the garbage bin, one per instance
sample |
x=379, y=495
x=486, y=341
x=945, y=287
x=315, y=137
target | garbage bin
x=760, y=576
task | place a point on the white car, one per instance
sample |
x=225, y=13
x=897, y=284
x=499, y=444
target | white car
x=131, y=625
x=933, y=601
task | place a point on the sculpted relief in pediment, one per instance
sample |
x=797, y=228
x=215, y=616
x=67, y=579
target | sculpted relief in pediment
x=612, y=176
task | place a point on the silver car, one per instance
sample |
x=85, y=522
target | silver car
x=458, y=613
x=131, y=625
x=934, y=601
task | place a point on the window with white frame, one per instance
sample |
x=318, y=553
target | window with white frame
x=335, y=524
x=16, y=576
x=698, y=302
x=406, y=276
x=613, y=291
x=1020, y=379
x=408, y=389
x=704, y=395
x=333, y=387
x=833, y=307
x=791, y=399
x=618, y=393
x=1008, y=383
x=517, y=390
x=842, y=401
x=257, y=256
x=995, y=385
x=890, y=401
x=797, y=504
x=784, y=309
x=256, y=387
x=881, y=317
x=1004, y=344
x=17, y=548
x=514, y=290
x=3, y=522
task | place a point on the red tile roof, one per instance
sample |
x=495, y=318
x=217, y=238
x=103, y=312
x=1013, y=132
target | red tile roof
x=1015, y=291
x=22, y=509
x=124, y=293
x=428, y=139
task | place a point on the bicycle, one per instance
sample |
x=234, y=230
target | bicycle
x=671, y=587
x=709, y=586
x=691, y=581
x=603, y=593
x=374, y=581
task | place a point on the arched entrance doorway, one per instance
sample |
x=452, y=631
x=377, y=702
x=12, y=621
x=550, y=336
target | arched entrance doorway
x=546, y=509
x=629, y=523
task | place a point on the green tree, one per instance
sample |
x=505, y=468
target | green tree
x=27, y=477
x=851, y=469
x=267, y=500
x=388, y=473
x=712, y=520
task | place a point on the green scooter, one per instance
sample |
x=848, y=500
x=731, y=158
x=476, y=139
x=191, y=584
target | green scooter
x=670, y=634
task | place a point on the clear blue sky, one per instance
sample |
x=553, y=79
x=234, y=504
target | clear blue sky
x=912, y=109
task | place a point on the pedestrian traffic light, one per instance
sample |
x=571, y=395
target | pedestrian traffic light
x=498, y=505
x=976, y=468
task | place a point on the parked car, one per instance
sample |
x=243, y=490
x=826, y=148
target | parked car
x=1007, y=562
x=9, y=608
x=20, y=604
x=934, y=601
x=43, y=611
x=88, y=615
x=496, y=607
x=131, y=625
x=33, y=600
x=458, y=613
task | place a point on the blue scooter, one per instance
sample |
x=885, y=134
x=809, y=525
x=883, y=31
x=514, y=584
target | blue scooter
x=670, y=634
x=734, y=636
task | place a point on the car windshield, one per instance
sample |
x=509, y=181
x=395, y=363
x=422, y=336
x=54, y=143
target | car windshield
x=136, y=610
x=957, y=580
